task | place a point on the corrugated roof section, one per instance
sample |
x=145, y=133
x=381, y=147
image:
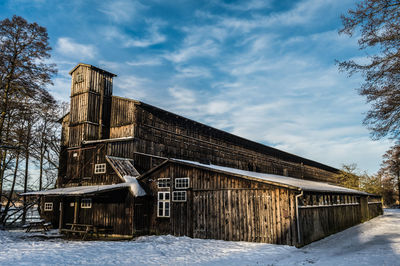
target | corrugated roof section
x=122, y=166
x=302, y=184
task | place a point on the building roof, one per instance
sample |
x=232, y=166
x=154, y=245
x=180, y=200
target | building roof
x=93, y=67
x=285, y=181
x=133, y=185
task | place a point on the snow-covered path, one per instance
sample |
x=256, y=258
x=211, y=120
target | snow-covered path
x=376, y=242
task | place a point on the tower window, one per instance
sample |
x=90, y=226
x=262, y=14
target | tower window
x=79, y=78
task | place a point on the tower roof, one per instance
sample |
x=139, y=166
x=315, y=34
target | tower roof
x=92, y=67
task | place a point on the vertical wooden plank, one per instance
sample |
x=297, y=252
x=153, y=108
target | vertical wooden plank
x=229, y=215
x=278, y=216
x=247, y=219
x=293, y=218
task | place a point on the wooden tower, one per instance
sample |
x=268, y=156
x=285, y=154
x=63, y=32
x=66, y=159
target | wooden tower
x=91, y=92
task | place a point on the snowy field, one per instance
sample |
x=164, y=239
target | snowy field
x=376, y=242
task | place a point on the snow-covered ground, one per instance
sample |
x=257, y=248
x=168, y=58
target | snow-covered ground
x=376, y=242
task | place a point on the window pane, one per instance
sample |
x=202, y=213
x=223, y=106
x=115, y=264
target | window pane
x=167, y=195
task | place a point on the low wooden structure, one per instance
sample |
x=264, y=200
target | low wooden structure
x=231, y=204
x=116, y=172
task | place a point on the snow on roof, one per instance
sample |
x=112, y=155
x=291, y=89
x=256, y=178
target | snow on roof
x=134, y=185
x=130, y=183
x=302, y=184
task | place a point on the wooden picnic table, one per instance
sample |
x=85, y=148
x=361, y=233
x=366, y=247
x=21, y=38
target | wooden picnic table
x=42, y=225
x=85, y=229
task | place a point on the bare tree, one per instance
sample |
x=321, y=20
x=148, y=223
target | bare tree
x=23, y=47
x=348, y=176
x=23, y=74
x=378, y=22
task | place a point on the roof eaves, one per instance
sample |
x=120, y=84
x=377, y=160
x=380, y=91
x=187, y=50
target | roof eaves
x=91, y=66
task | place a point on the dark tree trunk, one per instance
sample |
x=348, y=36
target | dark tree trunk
x=28, y=140
x=3, y=219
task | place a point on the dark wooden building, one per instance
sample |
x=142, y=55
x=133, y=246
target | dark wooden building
x=235, y=189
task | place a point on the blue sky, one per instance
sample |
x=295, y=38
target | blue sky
x=264, y=70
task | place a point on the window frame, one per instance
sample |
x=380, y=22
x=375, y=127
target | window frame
x=48, y=206
x=79, y=78
x=168, y=182
x=164, y=203
x=179, y=192
x=181, y=179
x=86, y=203
x=100, y=168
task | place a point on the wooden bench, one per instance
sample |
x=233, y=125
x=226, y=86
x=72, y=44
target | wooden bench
x=42, y=225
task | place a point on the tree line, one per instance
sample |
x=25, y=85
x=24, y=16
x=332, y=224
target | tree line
x=377, y=22
x=29, y=131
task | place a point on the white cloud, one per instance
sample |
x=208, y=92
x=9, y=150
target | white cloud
x=151, y=37
x=208, y=48
x=218, y=107
x=132, y=87
x=192, y=71
x=70, y=48
x=246, y=5
x=145, y=61
x=122, y=10
x=182, y=96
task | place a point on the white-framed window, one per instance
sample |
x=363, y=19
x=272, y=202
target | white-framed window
x=182, y=182
x=163, y=204
x=48, y=206
x=179, y=196
x=100, y=168
x=86, y=203
x=163, y=182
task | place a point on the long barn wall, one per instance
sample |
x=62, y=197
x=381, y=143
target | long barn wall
x=163, y=134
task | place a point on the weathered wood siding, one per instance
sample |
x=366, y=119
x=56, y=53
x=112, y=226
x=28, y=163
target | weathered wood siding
x=321, y=215
x=221, y=206
x=50, y=216
x=160, y=133
x=80, y=167
x=112, y=209
x=122, y=118
x=91, y=92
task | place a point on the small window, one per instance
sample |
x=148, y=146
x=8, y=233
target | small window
x=100, y=168
x=179, y=196
x=182, y=182
x=86, y=203
x=163, y=183
x=163, y=206
x=79, y=78
x=48, y=206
